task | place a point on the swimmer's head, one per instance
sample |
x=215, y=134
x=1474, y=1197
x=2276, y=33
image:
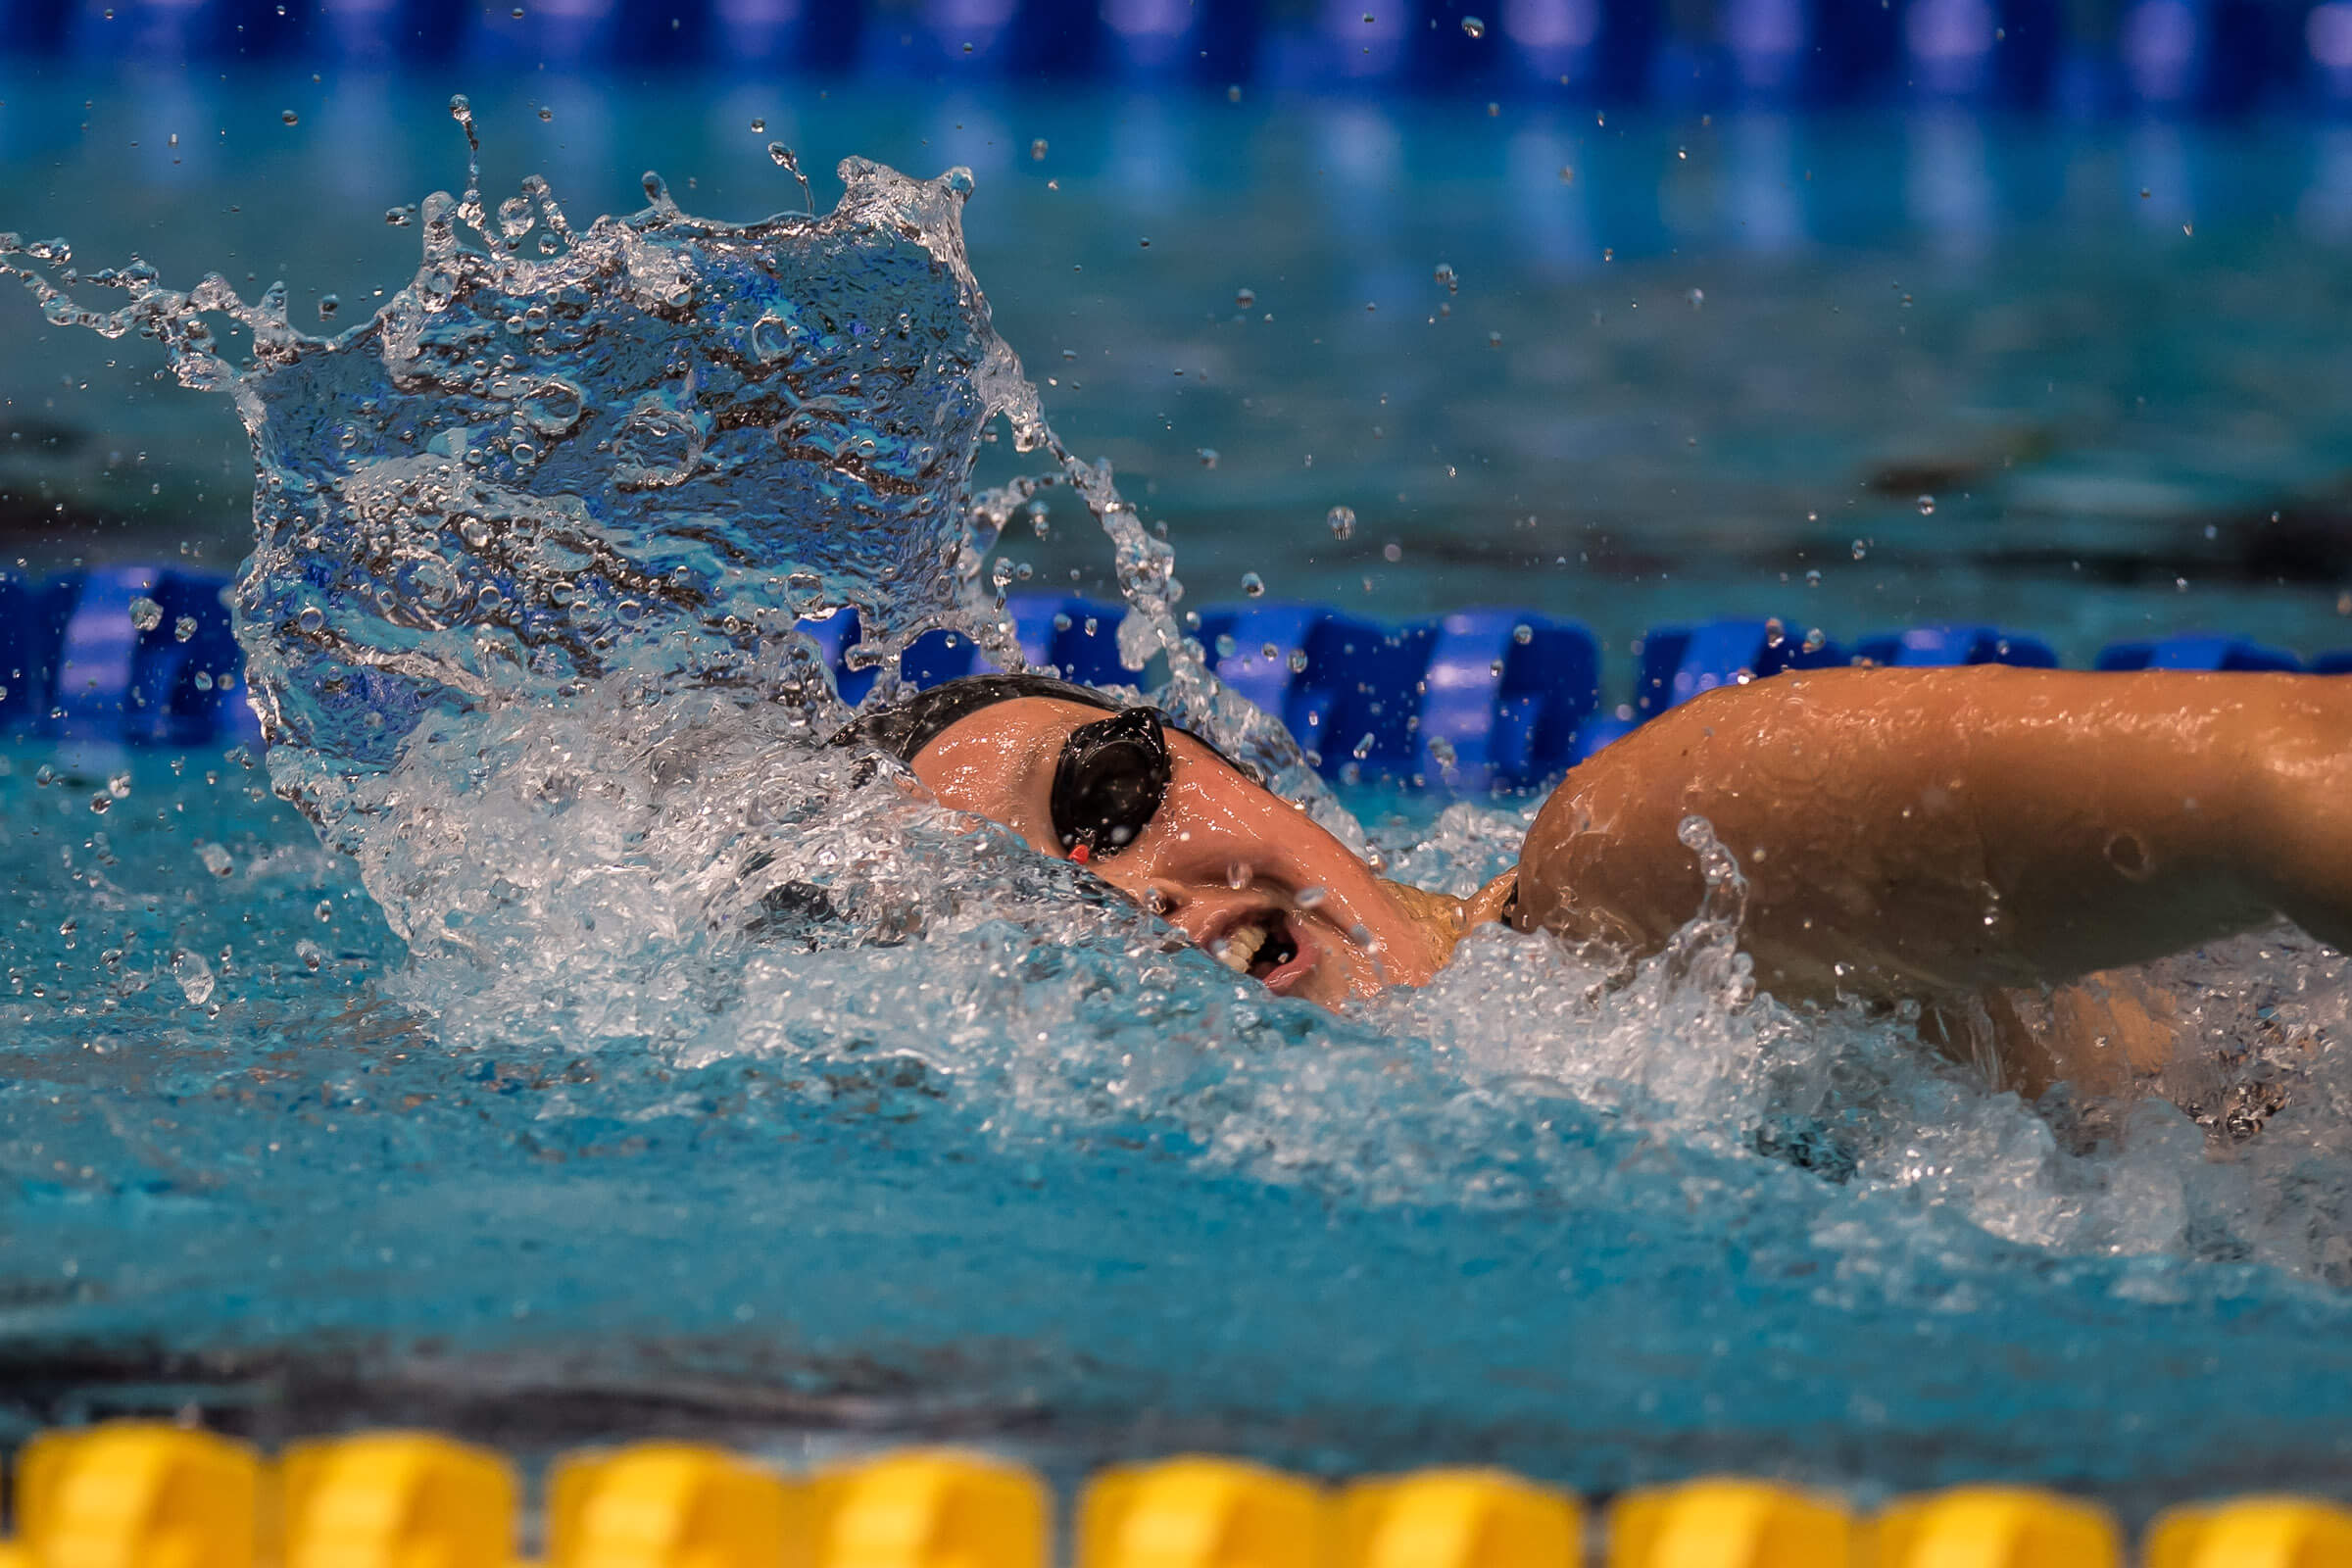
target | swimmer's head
x=1173, y=823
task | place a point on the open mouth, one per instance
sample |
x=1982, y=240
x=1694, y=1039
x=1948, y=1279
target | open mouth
x=1262, y=947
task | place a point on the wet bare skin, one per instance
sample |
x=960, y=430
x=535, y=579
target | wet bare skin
x=1214, y=829
x=1948, y=834
x=1953, y=836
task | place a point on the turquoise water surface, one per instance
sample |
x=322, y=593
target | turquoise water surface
x=503, y=1114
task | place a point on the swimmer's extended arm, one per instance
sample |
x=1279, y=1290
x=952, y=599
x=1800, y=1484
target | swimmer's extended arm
x=1937, y=833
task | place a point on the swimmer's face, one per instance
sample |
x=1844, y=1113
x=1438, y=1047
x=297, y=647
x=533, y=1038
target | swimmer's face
x=1223, y=859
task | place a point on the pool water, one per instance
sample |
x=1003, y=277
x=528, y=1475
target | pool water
x=596, y=1153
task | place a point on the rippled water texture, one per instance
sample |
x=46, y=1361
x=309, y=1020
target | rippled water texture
x=513, y=1079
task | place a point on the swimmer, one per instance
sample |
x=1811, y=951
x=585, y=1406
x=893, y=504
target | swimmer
x=1959, y=838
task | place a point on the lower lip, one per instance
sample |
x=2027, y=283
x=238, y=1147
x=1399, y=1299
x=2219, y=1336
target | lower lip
x=1282, y=980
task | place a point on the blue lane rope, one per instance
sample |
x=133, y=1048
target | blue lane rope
x=1484, y=699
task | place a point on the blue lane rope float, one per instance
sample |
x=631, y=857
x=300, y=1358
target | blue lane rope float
x=125, y=655
x=1479, y=700
x=2166, y=56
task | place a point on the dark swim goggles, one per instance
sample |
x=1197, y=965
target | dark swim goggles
x=1113, y=776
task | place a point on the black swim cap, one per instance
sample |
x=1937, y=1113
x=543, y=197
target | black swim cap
x=905, y=728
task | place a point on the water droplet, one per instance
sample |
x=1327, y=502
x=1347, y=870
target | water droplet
x=312, y=619
x=1813, y=578
x=759, y=126
x=1343, y=523
x=1494, y=340
x=1225, y=646
x=290, y=116
x=1253, y=585
x=1927, y=506
x=146, y=614
x=546, y=114
x=1208, y=457
x=1297, y=658
x=1446, y=275
x=1036, y=149
x=401, y=216
x=215, y=860
x=310, y=954
x=1391, y=550
x=1237, y=875
x=1474, y=27
x=1523, y=635
x=1861, y=549
x=328, y=305
x=184, y=628
x=325, y=912
x=194, y=975
x=99, y=803
x=516, y=13
x=1144, y=242
x=1310, y=898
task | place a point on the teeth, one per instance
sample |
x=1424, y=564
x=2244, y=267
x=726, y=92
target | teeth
x=1240, y=950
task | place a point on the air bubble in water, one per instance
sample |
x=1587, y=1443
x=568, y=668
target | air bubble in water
x=1245, y=296
x=758, y=125
x=1445, y=274
x=310, y=954
x=545, y=113
x=328, y=305
x=310, y=619
x=290, y=116
x=1861, y=549
x=1474, y=27
x=1343, y=523
x=1253, y=585
x=1927, y=506
x=146, y=614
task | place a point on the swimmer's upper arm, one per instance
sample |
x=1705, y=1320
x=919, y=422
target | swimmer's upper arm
x=1935, y=832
